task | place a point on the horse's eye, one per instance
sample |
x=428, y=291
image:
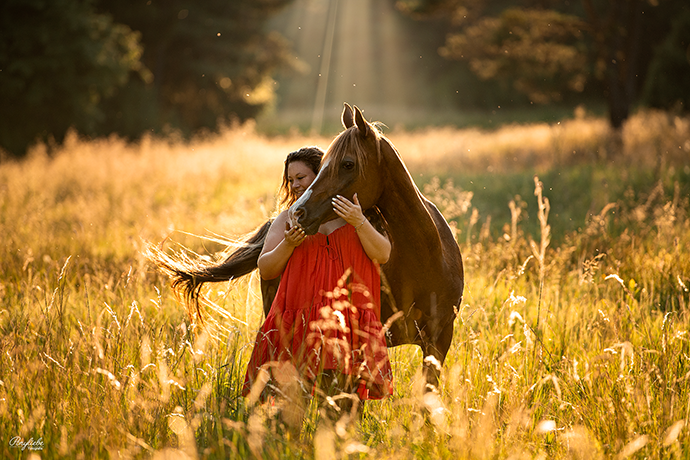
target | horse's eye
x=348, y=165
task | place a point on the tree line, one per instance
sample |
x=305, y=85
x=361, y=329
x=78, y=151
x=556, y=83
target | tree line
x=624, y=52
x=146, y=66
x=132, y=66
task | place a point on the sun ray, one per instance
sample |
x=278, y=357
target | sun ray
x=356, y=51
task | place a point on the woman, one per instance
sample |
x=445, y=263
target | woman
x=325, y=319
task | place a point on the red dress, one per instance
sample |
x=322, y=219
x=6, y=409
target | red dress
x=327, y=315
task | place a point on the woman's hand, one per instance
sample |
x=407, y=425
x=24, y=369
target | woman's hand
x=294, y=235
x=350, y=211
x=376, y=245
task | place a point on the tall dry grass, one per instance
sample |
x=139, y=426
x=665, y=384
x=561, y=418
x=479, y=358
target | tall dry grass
x=567, y=347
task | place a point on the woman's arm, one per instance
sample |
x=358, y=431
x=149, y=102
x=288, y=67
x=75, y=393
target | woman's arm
x=280, y=242
x=376, y=246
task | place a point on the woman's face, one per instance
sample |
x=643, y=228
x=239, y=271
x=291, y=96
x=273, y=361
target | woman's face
x=300, y=176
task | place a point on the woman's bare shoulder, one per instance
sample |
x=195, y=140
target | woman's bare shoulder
x=276, y=233
x=280, y=220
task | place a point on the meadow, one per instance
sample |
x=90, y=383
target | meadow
x=572, y=340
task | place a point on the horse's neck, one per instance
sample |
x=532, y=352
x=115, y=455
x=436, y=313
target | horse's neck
x=402, y=206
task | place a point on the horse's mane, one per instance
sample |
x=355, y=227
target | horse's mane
x=350, y=142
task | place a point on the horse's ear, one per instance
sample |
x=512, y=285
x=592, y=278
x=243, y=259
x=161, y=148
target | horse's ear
x=361, y=123
x=346, y=118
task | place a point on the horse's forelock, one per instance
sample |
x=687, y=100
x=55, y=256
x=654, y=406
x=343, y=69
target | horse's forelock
x=350, y=142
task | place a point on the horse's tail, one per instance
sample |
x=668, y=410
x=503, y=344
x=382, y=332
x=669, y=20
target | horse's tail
x=188, y=274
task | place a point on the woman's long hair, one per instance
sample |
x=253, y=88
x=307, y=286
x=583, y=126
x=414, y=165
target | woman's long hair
x=188, y=274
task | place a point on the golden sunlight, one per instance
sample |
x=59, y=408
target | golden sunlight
x=354, y=51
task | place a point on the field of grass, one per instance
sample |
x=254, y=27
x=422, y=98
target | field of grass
x=572, y=340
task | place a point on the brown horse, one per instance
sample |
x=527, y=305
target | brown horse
x=424, y=275
x=423, y=279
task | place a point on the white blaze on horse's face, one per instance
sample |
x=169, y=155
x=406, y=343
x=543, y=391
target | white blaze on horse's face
x=303, y=198
x=300, y=201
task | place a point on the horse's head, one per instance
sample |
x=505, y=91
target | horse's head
x=351, y=165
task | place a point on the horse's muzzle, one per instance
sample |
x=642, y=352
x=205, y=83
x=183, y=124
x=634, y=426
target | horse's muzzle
x=299, y=217
x=295, y=215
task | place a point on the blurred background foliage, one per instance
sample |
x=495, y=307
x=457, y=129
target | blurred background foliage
x=132, y=67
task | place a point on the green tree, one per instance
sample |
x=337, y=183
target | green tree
x=668, y=82
x=548, y=48
x=539, y=52
x=58, y=60
x=210, y=61
x=616, y=28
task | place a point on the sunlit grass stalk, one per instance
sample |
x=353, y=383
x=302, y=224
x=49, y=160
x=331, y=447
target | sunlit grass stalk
x=539, y=251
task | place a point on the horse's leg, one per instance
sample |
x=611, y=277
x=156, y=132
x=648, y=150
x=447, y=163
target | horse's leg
x=435, y=346
x=268, y=293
